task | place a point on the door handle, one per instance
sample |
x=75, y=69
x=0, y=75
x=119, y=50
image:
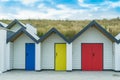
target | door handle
x=26, y=54
x=93, y=54
x=56, y=54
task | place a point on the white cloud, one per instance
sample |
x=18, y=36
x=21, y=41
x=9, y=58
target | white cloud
x=42, y=5
x=80, y=1
x=4, y=0
x=61, y=6
x=26, y=14
x=6, y=16
x=32, y=2
x=59, y=14
x=104, y=6
x=82, y=4
x=114, y=4
x=64, y=12
x=28, y=2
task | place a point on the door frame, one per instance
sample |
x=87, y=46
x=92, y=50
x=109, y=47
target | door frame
x=102, y=54
x=55, y=54
x=26, y=55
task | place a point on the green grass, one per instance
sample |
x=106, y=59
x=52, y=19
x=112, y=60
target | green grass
x=70, y=27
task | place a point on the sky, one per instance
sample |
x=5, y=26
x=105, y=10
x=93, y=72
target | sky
x=59, y=9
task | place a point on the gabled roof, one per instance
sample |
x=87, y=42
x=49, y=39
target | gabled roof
x=118, y=37
x=53, y=30
x=31, y=28
x=118, y=41
x=99, y=27
x=3, y=24
x=9, y=33
x=15, y=22
x=18, y=33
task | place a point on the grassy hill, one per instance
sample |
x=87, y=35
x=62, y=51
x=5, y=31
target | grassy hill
x=70, y=27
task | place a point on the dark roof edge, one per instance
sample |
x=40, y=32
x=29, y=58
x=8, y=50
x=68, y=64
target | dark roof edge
x=53, y=30
x=106, y=32
x=98, y=26
x=2, y=25
x=14, y=22
x=79, y=33
x=22, y=30
x=118, y=41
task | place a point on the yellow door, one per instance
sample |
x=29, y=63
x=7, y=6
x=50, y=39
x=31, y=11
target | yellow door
x=60, y=56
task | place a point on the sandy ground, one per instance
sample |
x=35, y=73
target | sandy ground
x=60, y=75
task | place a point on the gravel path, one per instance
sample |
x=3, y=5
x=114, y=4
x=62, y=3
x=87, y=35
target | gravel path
x=60, y=75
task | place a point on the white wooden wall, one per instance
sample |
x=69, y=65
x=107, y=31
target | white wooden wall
x=19, y=51
x=92, y=35
x=117, y=54
x=47, y=51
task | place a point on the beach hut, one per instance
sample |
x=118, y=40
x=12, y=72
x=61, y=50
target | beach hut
x=23, y=48
x=55, y=51
x=92, y=49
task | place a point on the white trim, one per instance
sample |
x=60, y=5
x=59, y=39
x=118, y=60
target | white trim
x=117, y=56
x=69, y=57
x=3, y=51
x=38, y=57
x=8, y=56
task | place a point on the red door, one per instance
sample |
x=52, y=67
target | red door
x=92, y=56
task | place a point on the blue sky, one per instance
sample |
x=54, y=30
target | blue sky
x=59, y=9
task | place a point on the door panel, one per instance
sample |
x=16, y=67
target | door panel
x=60, y=56
x=86, y=56
x=92, y=56
x=97, y=57
x=30, y=56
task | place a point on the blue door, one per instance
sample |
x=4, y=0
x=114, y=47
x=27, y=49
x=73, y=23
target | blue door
x=30, y=56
